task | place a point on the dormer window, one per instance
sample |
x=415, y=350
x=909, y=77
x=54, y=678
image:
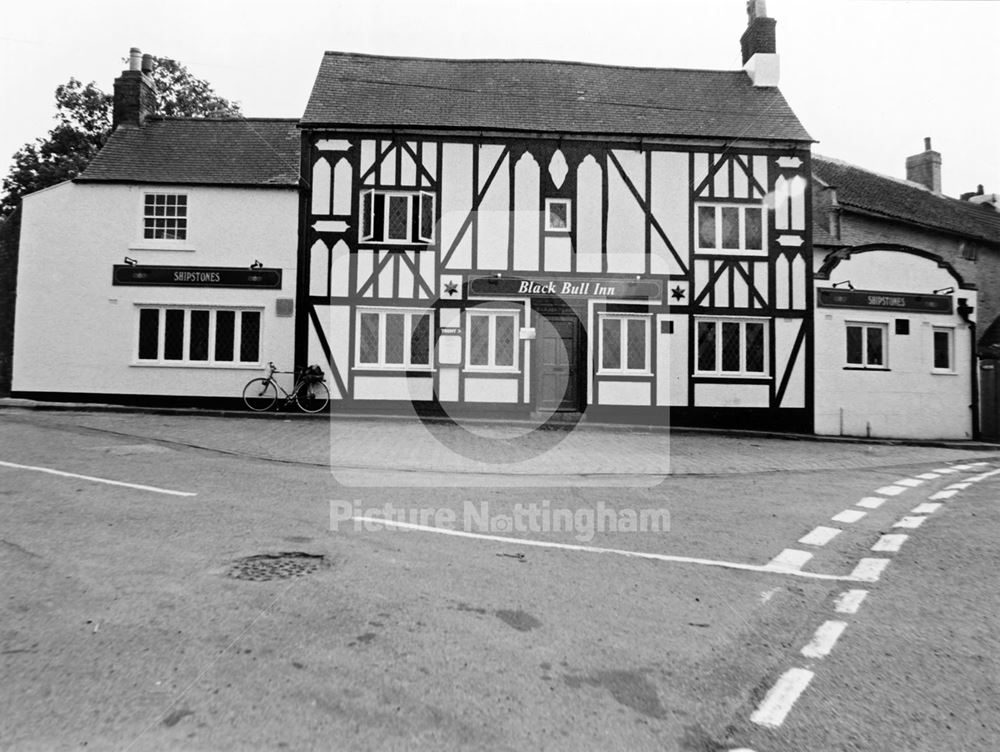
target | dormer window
x=397, y=216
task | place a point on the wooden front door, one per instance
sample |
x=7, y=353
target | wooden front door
x=557, y=354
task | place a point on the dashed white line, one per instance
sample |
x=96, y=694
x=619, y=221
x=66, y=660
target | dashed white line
x=850, y=601
x=946, y=494
x=871, y=502
x=790, y=560
x=984, y=476
x=890, y=490
x=928, y=476
x=926, y=508
x=958, y=486
x=869, y=570
x=908, y=482
x=849, y=515
x=820, y=536
x=50, y=471
x=824, y=639
x=890, y=542
x=910, y=522
x=945, y=470
x=962, y=467
x=781, y=697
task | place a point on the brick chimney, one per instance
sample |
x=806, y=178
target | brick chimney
x=925, y=168
x=135, y=97
x=758, y=44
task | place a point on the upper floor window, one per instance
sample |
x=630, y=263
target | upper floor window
x=164, y=216
x=730, y=228
x=731, y=347
x=397, y=216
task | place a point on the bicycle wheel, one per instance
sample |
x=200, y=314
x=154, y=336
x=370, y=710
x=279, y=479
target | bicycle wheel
x=260, y=394
x=313, y=397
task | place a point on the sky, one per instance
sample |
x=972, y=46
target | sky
x=869, y=79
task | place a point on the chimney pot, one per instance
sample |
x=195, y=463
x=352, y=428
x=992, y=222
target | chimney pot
x=134, y=58
x=135, y=97
x=147, y=63
x=927, y=143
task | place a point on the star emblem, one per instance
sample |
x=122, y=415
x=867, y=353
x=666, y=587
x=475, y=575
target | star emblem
x=451, y=288
x=677, y=293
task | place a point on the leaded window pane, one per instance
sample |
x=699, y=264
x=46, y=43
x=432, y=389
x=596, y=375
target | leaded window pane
x=706, y=345
x=420, y=340
x=366, y=215
x=394, y=328
x=479, y=340
x=368, y=342
x=636, y=345
x=942, y=349
x=730, y=227
x=755, y=347
x=876, y=357
x=225, y=331
x=854, y=354
x=398, y=215
x=706, y=227
x=611, y=343
x=505, y=340
x=250, y=336
x=730, y=346
x=427, y=217
x=198, y=345
x=754, y=229
x=149, y=334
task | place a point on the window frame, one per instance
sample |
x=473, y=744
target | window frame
x=408, y=315
x=623, y=369
x=865, y=326
x=414, y=213
x=568, y=203
x=950, y=331
x=742, y=208
x=493, y=314
x=186, y=361
x=743, y=372
x=165, y=242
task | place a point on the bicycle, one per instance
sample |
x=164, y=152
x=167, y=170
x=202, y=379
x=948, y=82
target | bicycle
x=309, y=392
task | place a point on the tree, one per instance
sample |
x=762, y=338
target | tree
x=83, y=124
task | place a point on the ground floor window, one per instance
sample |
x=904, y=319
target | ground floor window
x=491, y=340
x=866, y=345
x=624, y=345
x=393, y=338
x=202, y=336
x=731, y=347
x=944, y=349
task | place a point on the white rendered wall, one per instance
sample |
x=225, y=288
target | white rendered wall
x=76, y=332
x=909, y=400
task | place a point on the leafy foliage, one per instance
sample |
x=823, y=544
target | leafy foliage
x=83, y=124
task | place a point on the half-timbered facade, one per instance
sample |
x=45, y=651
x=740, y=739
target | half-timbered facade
x=632, y=244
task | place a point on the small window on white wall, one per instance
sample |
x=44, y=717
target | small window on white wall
x=164, y=216
x=491, y=340
x=397, y=216
x=624, y=343
x=944, y=349
x=175, y=335
x=558, y=214
x=393, y=338
x=867, y=345
x=731, y=347
x=730, y=228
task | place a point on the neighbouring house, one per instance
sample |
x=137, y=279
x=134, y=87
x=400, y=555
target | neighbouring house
x=903, y=275
x=544, y=237
x=167, y=269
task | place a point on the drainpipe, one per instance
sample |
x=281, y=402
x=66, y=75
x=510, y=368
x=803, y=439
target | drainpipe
x=965, y=311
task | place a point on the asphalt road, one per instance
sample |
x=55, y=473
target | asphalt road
x=123, y=627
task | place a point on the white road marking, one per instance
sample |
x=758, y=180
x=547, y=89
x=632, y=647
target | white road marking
x=824, y=639
x=820, y=536
x=890, y=542
x=766, y=595
x=984, y=476
x=849, y=515
x=926, y=508
x=871, y=502
x=957, y=487
x=91, y=478
x=781, y=697
x=890, y=490
x=910, y=522
x=946, y=494
x=945, y=470
x=850, y=601
x=908, y=482
x=963, y=467
x=770, y=568
x=978, y=464
x=928, y=476
x=790, y=560
x=869, y=570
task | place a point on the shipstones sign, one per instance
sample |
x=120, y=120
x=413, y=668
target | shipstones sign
x=196, y=276
x=890, y=301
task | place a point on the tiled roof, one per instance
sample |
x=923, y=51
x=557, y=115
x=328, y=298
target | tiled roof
x=547, y=96
x=239, y=151
x=906, y=201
